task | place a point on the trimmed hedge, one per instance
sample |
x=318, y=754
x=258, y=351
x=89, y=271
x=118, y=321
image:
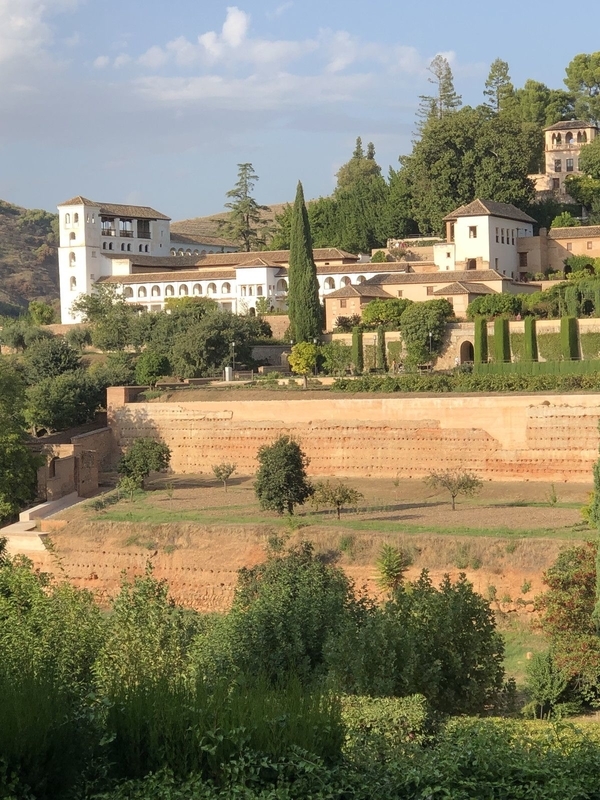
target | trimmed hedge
x=357, y=350
x=380, y=355
x=549, y=346
x=486, y=380
x=540, y=368
x=530, y=340
x=501, y=339
x=569, y=338
x=481, y=340
x=517, y=346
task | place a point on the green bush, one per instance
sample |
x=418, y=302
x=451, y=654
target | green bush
x=501, y=340
x=394, y=352
x=569, y=338
x=357, y=350
x=481, y=340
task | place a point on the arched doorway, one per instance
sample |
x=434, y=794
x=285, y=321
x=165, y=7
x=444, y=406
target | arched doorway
x=467, y=353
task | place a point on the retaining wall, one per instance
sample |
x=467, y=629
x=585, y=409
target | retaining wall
x=502, y=437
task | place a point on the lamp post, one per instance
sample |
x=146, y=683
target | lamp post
x=315, y=342
x=233, y=356
x=430, y=337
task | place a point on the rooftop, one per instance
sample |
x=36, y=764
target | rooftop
x=458, y=287
x=489, y=208
x=583, y=232
x=170, y=277
x=116, y=209
x=452, y=276
x=569, y=125
x=212, y=241
x=360, y=290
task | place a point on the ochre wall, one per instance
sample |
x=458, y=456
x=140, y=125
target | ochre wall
x=503, y=437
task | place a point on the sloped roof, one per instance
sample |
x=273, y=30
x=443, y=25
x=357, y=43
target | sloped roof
x=359, y=290
x=117, y=209
x=489, y=208
x=170, y=277
x=170, y=262
x=258, y=262
x=583, y=232
x=569, y=124
x=452, y=276
x=464, y=288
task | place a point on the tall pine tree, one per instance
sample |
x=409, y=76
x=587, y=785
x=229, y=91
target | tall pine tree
x=446, y=100
x=245, y=224
x=303, y=295
x=499, y=90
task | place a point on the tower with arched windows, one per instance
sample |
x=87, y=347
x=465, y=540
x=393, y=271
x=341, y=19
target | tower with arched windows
x=562, y=148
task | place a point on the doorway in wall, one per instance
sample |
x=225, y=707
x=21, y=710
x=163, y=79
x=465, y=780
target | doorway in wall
x=467, y=353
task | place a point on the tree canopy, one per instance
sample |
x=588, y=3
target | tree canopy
x=245, y=223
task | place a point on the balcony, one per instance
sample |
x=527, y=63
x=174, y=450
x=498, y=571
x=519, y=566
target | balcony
x=109, y=232
x=126, y=234
x=143, y=234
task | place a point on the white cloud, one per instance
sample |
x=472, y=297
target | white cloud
x=154, y=58
x=280, y=10
x=121, y=61
x=25, y=28
x=101, y=62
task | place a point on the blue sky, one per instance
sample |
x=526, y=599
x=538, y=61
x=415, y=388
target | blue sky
x=156, y=102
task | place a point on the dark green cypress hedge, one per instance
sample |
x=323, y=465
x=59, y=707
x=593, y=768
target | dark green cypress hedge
x=357, y=350
x=569, y=338
x=531, y=350
x=501, y=340
x=481, y=341
x=380, y=355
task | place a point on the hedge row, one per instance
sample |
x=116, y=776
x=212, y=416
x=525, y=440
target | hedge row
x=538, y=368
x=465, y=382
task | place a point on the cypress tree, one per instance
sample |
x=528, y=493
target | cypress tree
x=569, y=338
x=501, y=340
x=303, y=297
x=531, y=349
x=380, y=356
x=357, y=350
x=481, y=341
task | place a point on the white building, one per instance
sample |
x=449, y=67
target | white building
x=483, y=235
x=94, y=236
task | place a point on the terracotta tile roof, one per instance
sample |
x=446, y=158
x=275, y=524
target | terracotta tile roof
x=170, y=277
x=361, y=290
x=170, y=262
x=258, y=262
x=212, y=241
x=569, y=124
x=117, y=209
x=488, y=208
x=452, y=276
x=464, y=288
x=584, y=232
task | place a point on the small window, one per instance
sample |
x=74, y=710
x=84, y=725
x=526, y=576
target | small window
x=146, y=248
x=73, y=283
x=226, y=288
x=212, y=288
x=522, y=260
x=342, y=304
x=345, y=281
x=496, y=263
x=430, y=289
x=93, y=219
x=169, y=291
x=67, y=219
x=329, y=283
x=570, y=165
x=502, y=236
x=76, y=219
x=259, y=291
x=197, y=289
x=590, y=245
x=93, y=254
x=557, y=165
x=129, y=248
x=123, y=248
x=448, y=254
x=110, y=245
x=472, y=231
x=570, y=246
x=155, y=291
x=72, y=259
x=497, y=235
x=128, y=291
x=399, y=292
x=555, y=184
x=183, y=290
x=141, y=249
x=72, y=237
x=142, y=291
x=512, y=236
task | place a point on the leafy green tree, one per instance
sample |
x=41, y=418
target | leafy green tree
x=565, y=220
x=281, y=480
x=495, y=305
x=111, y=316
x=61, y=402
x=144, y=456
x=385, y=312
x=41, y=313
x=78, y=336
x=391, y=565
x=589, y=159
x=223, y=472
x=48, y=358
x=347, y=324
x=417, y=322
x=245, y=224
x=455, y=482
x=357, y=350
x=303, y=359
x=379, y=257
x=538, y=104
x=585, y=190
x=18, y=470
x=284, y=613
x=337, y=358
x=306, y=317
x=335, y=495
x=583, y=80
x=380, y=350
x=499, y=90
x=19, y=334
x=359, y=167
x=547, y=685
x=117, y=370
x=150, y=367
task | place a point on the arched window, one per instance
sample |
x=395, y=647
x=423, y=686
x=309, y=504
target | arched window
x=329, y=284
x=558, y=138
x=188, y=252
x=142, y=291
x=104, y=245
x=67, y=219
x=147, y=248
x=128, y=291
x=173, y=251
x=169, y=291
x=569, y=138
x=141, y=248
x=196, y=252
x=72, y=237
x=197, y=289
x=123, y=247
x=155, y=291
x=180, y=252
x=129, y=248
x=211, y=288
x=110, y=245
x=360, y=279
x=183, y=290
x=282, y=286
x=75, y=219
x=203, y=253
x=345, y=281
x=72, y=259
x=72, y=283
x=226, y=288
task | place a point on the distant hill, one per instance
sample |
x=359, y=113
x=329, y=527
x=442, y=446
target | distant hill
x=209, y=226
x=28, y=256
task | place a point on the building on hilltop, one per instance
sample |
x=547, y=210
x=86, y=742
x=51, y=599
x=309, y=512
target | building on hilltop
x=93, y=234
x=562, y=147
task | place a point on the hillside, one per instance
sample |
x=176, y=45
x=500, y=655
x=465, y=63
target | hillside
x=28, y=256
x=209, y=226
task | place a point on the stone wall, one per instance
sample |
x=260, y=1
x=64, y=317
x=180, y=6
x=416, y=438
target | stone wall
x=502, y=437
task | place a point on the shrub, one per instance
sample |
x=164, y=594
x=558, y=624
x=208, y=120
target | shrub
x=335, y=495
x=48, y=358
x=144, y=456
x=150, y=367
x=418, y=321
x=281, y=480
x=501, y=340
x=223, y=472
x=455, y=482
x=569, y=338
x=337, y=358
x=481, y=340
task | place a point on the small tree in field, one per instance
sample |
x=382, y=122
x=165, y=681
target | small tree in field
x=391, y=566
x=303, y=359
x=456, y=482
x=223, y=472
x=336, y=495
x=281, y=481
x=143, y=457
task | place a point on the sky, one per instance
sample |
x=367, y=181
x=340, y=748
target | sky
x=157, y=102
